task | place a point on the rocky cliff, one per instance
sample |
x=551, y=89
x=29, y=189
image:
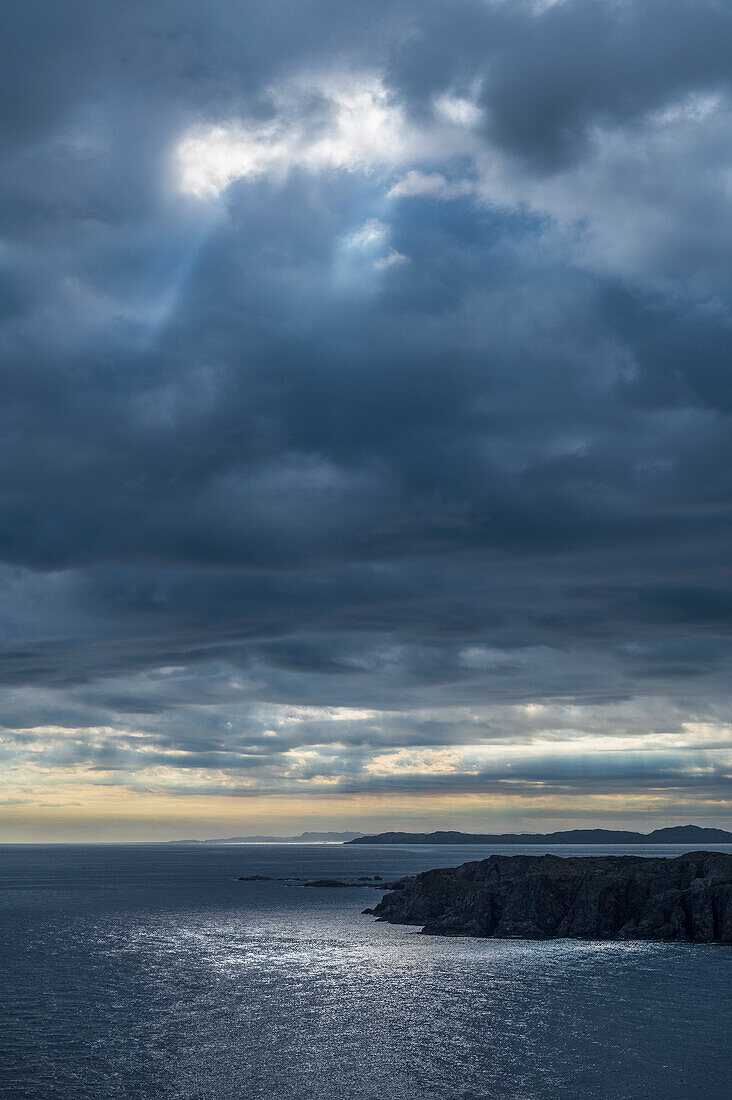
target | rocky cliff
x=599, y=897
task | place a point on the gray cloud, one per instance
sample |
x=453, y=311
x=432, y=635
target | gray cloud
x=238, y=443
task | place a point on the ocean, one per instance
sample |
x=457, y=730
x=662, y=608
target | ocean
x=149, y=971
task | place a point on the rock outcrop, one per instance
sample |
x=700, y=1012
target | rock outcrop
x=597, y=897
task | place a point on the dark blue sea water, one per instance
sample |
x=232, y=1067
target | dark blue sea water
x=150, y=972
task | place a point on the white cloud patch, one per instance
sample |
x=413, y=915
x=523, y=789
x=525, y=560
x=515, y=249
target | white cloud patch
x=392, y=259
x=372, y=232
x=319, y=123
x=373, y=236
x=458, y=110
x=348, y=125
x=416, y=762
x=432, y=185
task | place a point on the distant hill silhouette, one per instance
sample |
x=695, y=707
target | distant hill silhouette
x=303, y=838
x=678, y=834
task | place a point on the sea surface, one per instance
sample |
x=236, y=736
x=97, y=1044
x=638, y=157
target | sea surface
x=146, y=971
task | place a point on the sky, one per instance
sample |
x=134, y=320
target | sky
x=365, y=416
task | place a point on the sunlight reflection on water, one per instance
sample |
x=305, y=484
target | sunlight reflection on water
x=207, y=989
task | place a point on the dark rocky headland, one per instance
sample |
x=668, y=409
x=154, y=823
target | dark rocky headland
x=587, y=897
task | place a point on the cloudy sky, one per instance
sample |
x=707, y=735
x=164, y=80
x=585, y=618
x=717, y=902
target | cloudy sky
x=365, y=418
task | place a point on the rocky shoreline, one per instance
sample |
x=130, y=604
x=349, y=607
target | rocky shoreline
x=687, y=899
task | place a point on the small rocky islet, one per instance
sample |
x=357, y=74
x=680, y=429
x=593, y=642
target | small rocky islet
x=686, y=899
x=375, y=881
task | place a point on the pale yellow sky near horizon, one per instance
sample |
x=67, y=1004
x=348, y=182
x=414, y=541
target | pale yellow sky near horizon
x=89, y=815
x=518, y=768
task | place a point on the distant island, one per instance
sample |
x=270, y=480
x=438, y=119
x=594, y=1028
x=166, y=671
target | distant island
x=585, y=897
x=303, y=838
x=678, y=834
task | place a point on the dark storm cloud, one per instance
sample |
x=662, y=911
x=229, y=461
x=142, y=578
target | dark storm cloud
x=487, y=464
x=547, y=80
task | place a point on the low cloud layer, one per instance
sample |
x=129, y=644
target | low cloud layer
x=366, y=411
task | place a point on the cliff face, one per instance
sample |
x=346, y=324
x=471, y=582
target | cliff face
x=543, y=897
